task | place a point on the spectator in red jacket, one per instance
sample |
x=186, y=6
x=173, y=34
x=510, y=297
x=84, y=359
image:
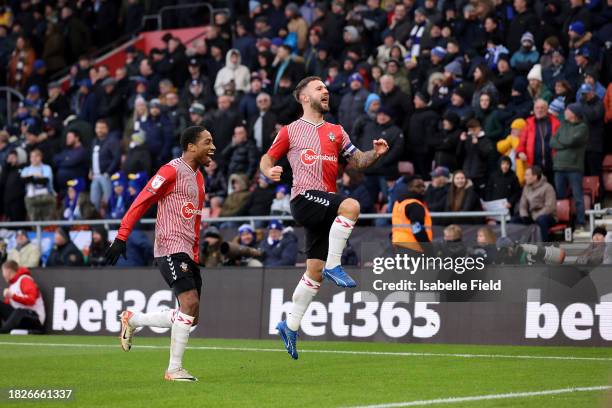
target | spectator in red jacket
x=534, y=144
x=23, y=306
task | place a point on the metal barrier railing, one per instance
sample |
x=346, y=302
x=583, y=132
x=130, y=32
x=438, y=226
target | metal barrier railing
x=9, y=93
x=594, y=213
x=500, y=216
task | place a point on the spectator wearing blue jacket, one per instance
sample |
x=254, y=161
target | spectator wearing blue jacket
x=139, y=250
x=280, y=247
x=72, y=162
x=84, y=102
x=158, y=131
x=105, y=160
x=119, y=201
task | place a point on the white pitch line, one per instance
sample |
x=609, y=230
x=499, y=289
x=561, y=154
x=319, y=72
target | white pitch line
x=349, y=352
x=455, y=400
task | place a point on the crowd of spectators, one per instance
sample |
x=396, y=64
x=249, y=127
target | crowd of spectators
x=487, y=99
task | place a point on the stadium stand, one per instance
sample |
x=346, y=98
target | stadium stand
x=106, y=87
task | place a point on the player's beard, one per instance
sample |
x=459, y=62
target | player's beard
x=318, y=107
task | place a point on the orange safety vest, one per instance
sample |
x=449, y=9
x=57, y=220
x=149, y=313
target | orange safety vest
x=401, y=231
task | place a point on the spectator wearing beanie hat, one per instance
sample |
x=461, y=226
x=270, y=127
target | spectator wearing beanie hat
x=454, y=68
x=504, y=78
x=138, y=157
x=591, y=76
x=297, y=24
x=593, y=115
x=570, y=144
x=559, y=70
x=280, y=247
x=597, y=252
x=523, y=20
x=281, y=205
x=556, y=108
x=352, y=102
x=536, y=87
x=520, y=104
x=523, y=59
x=507, y=147
x=64, y=252
x=384, y=169
x=459, y=103
x=583, y=58
x=578, y=35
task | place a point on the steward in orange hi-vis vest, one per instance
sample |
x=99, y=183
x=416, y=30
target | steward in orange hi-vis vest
x=410, y=218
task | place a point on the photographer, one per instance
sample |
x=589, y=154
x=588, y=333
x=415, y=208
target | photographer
x=211, y=247
x=596, y=253
x=280, y=247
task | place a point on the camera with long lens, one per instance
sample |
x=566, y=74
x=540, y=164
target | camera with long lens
x=530, y=254
x=236, y=251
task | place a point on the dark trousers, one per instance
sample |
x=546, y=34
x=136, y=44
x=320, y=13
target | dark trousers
x=544, y=222
x=574, y=180
x=19, y=319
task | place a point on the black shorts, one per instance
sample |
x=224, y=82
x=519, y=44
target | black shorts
x=180, y=272
x=316, y=211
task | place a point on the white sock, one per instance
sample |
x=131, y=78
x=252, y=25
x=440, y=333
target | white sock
x=304, y=292
x=338, y=235
x=163, y=318
x=179, y=337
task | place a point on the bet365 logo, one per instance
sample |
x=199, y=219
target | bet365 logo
x=397, y=315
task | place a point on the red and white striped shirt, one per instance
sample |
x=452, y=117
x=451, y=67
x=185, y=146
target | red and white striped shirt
x=180, y=193
x=313, y=152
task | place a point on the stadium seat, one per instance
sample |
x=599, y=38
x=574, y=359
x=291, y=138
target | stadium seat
x=405, y=167
x=563, y=216
x=591, y=186
x=607, y=163
x=587, y=203
x=608, y=181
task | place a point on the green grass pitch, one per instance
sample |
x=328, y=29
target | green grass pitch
x=232, y=374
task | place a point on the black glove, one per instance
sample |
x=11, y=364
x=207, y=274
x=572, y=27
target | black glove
x=114, y=251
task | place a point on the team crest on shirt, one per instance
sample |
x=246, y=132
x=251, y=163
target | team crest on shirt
x=157, y=181
x=184, y=266
x=332, y=137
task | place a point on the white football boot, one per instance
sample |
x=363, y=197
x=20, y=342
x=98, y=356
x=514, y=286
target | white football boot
x=127, y=331
x=179, y=374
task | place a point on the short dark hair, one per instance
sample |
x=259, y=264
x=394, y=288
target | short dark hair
x=75, y=132
x=472, y=123
x=190, y=135
x=303, y=84
x=536, y=171
x=599, y=230
x=12, y=265
x=105, y=121
x=37, y=151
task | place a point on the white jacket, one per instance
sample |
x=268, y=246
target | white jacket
x=240, y=74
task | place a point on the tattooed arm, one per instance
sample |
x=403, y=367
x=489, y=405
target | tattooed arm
x=362, y=160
